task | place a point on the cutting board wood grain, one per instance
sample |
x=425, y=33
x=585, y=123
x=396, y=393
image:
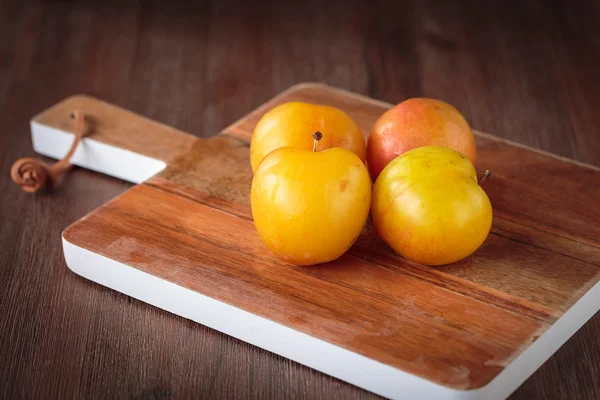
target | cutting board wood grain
x=183, y=240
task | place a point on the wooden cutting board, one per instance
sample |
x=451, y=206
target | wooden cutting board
x=183, y=240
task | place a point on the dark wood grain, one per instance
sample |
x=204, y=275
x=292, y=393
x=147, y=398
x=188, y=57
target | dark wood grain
x=526, y=71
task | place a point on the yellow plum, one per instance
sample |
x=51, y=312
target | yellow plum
x=310, y=206
x=292, y=125
x=428, y=206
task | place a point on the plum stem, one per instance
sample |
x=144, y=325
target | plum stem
x=485, y=177
x=317, y=136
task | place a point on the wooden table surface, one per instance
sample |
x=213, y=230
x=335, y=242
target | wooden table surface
x=527, y=72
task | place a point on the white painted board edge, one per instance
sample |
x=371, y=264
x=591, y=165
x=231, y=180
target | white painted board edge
x=94, y=155
x=333, y=360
